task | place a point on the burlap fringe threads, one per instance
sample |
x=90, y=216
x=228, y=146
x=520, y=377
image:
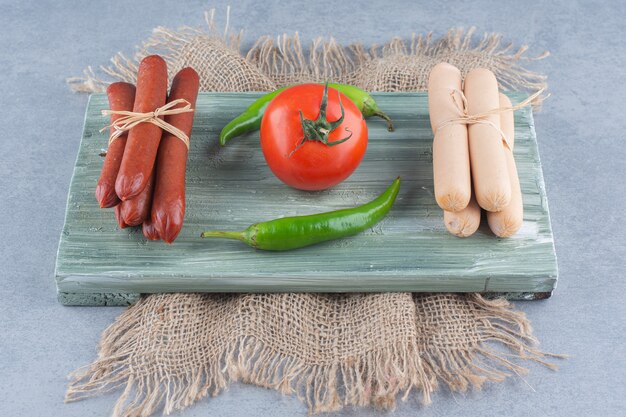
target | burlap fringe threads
x=377, y=377
x=398, y=65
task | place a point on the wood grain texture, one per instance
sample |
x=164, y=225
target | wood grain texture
x=231, y=188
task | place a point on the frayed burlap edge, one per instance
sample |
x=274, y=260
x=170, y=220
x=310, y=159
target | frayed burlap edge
x=376, y=378
x=165, y=42
x=285, y=60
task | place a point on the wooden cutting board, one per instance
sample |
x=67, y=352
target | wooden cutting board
x=231, y=188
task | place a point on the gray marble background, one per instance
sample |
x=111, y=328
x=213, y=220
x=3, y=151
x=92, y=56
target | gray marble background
x=581, y=135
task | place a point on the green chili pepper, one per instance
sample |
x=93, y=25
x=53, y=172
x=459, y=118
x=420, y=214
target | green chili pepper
x=299, y=231
x=363, y=101
x=250, y=119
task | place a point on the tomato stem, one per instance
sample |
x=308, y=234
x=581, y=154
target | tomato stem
x=320, y=128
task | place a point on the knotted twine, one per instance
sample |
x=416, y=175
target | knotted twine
x=481, y=118
x=331, y=350
x=131, y=119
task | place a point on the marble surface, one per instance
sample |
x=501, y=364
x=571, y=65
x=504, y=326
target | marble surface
x=581, y=141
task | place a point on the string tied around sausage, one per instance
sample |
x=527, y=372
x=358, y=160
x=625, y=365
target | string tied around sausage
x=481, y=118
x=131, y=119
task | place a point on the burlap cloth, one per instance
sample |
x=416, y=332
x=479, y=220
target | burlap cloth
x=331, y=350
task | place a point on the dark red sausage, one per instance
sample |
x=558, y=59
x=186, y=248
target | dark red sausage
x=168, y=205
x=136, y=210
x=149, y=231
x=143, y=140
x=118, y=216
x=121, y=97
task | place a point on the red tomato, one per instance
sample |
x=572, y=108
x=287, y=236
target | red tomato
x=314, y=165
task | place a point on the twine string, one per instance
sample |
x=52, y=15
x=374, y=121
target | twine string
x=481, y=118
x=131, y=119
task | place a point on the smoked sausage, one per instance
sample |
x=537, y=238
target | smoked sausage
x=121, y=97
x=149, y=231
x=136, y=210
x=143, y=140
x=168, y=206
x=118, y=216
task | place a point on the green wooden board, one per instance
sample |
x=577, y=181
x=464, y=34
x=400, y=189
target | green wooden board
x=231, y=188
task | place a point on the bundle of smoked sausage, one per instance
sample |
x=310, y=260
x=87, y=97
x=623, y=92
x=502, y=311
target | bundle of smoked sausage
x=143, y=175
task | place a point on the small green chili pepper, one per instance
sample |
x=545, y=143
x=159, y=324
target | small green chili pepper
x=364, y=101
x=250, y=119
x=299, y=231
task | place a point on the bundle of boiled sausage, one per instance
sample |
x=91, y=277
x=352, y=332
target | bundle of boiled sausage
x=143, y=175
x=473, y=166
